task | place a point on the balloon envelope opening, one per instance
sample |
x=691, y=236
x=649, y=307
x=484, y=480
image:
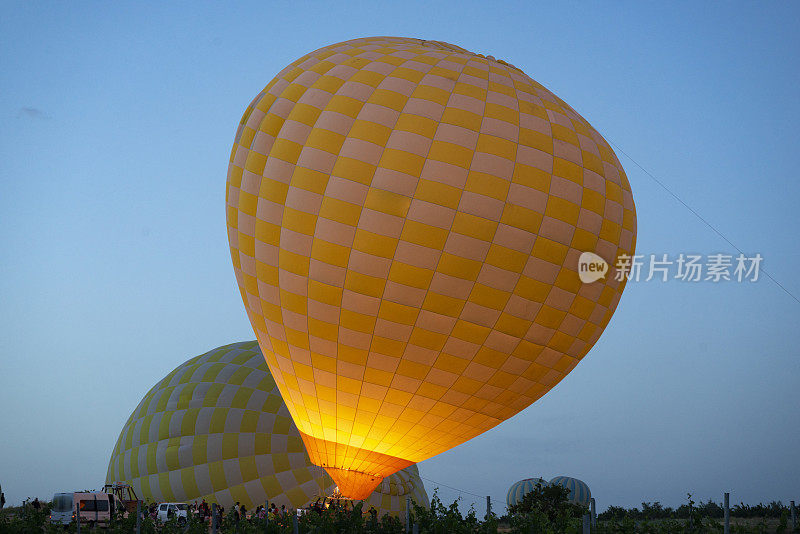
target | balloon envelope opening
x=356, y=471
x=354, y=484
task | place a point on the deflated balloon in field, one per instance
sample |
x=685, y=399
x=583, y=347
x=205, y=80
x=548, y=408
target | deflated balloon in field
x=216, y=428
x=405, y=220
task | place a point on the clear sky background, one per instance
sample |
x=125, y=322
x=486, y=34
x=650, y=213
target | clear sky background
x=117, y=121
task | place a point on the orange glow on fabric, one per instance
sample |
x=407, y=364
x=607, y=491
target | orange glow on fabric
x=405, y=220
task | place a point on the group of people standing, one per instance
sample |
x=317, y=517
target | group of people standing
x=238, y=512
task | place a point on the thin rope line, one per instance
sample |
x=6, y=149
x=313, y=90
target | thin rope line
x=696, y=214
x=452, y=488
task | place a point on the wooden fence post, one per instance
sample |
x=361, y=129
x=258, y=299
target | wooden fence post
x=408, y=515
x=727, y=509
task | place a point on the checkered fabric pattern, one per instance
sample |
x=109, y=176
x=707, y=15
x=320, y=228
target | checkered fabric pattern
x=405, y=220
x=390, y=496
x=216, y=428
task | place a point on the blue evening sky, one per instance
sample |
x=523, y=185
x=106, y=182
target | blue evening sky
x=117, y=123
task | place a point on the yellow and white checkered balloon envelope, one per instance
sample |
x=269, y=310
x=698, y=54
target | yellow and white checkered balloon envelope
x=216, y=428
x=405, y=220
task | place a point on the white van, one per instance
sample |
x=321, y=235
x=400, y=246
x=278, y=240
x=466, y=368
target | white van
x=62, y=512
x=93, y=508
x=168, y=510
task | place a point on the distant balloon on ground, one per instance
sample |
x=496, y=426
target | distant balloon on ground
x=578, y=489
x=518, y=490
x=216, y=428
x=405, y=220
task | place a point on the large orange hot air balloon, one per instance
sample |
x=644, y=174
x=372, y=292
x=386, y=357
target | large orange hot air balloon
x=405, y=220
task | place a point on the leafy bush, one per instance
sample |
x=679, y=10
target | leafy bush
x=544, y=511
x=709, y=509
x=441, y=519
